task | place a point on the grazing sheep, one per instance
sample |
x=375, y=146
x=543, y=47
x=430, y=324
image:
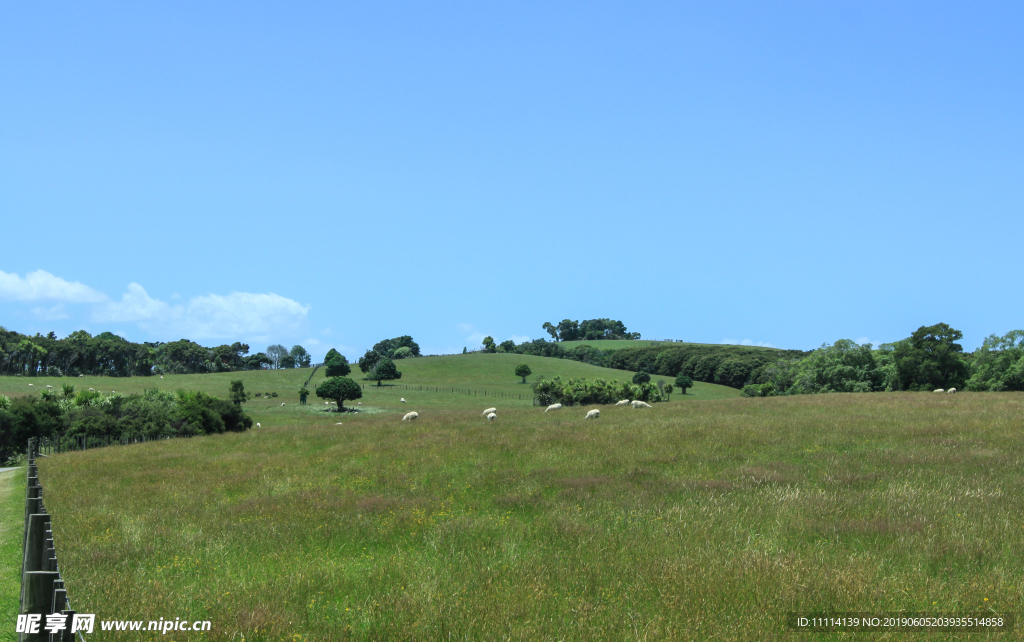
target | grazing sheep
x=403, y=399
x=938, y=390
x=258, y=425
x=161, y=376
x=31, y=385
x=640, y=404
x=409, y=416
x=492, y=417
x=624, y=402
x=282, y=404
x=93, y=389
x=51, y=387
x=327, y=403
x=359, y=403
x=488, y=411
x=951, y=391
x=84, y=375
x=593, y=414
x=554, y=406
x=339, y=424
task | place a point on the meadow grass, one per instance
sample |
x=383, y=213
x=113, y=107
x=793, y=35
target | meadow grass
x=12, y=520
x=697, y=521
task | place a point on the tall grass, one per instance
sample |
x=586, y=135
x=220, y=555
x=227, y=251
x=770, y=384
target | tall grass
x=708, y=520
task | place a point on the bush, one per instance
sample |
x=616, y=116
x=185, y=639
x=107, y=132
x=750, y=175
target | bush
x=641, y=377
x=581, y=391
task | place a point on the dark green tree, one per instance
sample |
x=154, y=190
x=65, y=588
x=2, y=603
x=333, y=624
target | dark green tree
x=331, y=353
x=508, y=346
x=523, y=370
x=683, y=382
x=238, y=393
x=999, y=363
x=568, y=330
x=369, y=360
x=287, y=362
x=337, y=366
x=339, y=389
x=641, y=377
x=489, y=345
x=384, y=370
x=551, y=329
x=931, y=359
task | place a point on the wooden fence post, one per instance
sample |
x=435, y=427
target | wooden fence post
x=37, y=599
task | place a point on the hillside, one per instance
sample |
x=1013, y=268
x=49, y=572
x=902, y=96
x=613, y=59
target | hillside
x=485, y=374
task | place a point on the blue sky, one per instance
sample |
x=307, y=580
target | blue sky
x=333, y=174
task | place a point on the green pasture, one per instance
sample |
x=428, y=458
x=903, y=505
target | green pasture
x=434, y=383
x=697, y=521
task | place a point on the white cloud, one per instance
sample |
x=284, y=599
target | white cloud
x=520, y=338
x=41, y=285
x=473, y=338
x=863, y=340
x=135, y=305
x=747, y=342
x=241, y=314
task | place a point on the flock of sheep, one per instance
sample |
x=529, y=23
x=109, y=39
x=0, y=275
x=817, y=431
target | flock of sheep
x=491, y=413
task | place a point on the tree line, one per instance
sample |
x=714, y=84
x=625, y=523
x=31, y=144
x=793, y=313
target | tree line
x=588, y=330
x=108, y=354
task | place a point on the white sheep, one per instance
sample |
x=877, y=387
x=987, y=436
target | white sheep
x=31, y=385
x=359, y=403
x=161, y=376
x=282, y=405
x=938, y=390
x=327, y=403
x=84, y=375
x=488, y=411
x=554, y=406
x=92, y=389
x=492, y=417
x=403, y=400
x=339, y=424
x=258, y=425
x=593, y=414
x=624, y=402
x=951, y=391
x=409, y=416
x=640, y=404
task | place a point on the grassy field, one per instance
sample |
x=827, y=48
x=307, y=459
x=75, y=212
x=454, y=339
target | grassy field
x=697, y=521
x=484, y=374
x=12, y=518
x=616, y=344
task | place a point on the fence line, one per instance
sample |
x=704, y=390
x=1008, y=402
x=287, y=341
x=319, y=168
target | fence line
x=42, y=587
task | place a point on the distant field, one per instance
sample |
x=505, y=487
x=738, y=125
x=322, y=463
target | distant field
x=708, y=520
x=485, y=373
x=615, y=344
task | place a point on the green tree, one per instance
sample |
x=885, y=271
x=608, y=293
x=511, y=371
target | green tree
x=930, y=359
x=568, y=330
x=999, y=363
x=301, y=356
x=683, y=382
x=369, y=360
x=489, y=345
x=551, y=329
x=337, y=366
x=668, y=391
x=237, y=393
x=331, y=353
x=641, y=377
x=402, y=353
x=384, y=370
x=523, y=370
x=339, y=389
